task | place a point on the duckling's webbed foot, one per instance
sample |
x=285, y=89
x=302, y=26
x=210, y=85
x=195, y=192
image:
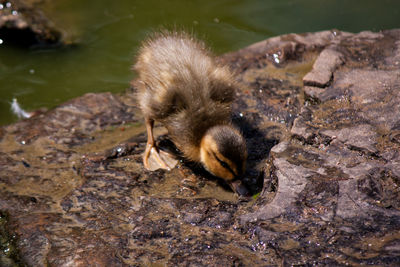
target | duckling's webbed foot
x=153, y=158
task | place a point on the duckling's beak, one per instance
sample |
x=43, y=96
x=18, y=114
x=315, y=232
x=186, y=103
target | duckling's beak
x=238, y=187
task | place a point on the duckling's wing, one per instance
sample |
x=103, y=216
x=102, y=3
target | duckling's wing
x=221, y=85
x=158, y=102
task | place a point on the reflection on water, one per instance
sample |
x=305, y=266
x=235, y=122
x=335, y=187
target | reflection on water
x=107, y=34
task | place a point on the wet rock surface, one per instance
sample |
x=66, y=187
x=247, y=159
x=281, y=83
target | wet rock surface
x=23, y=23
x=321, y=115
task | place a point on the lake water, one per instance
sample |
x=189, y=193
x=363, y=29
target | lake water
x=108, y=33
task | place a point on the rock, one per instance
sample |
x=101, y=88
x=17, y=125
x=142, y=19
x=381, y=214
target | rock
x=287, y=193
x=23, y=23
x=362, y=137
x=324, y=67
x=320, y=112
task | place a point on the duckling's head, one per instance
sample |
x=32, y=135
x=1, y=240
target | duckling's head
x=223, y=153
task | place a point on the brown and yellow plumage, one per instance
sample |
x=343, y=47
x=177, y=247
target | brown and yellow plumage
x=181, y=86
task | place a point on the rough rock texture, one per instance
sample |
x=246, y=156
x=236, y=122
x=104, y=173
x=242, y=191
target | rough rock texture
x=321, y=115
x=23, y=23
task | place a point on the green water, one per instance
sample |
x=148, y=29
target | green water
x=107, y=34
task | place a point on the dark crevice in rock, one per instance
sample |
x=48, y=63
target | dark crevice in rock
x=319, y=85
x=365, y=152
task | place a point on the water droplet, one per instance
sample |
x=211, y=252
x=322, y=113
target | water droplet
x=1, y=41
x=14, y=12
x=23, y=142
x=276, y=58
x=8, y=4
x=241, y=114
x=1, y=6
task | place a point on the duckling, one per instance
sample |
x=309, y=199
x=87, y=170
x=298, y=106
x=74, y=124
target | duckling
x=182, y=86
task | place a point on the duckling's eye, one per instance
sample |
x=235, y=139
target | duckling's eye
x=225, y=165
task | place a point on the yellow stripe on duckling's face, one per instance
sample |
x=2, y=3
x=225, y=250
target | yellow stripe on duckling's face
x=214, y=161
